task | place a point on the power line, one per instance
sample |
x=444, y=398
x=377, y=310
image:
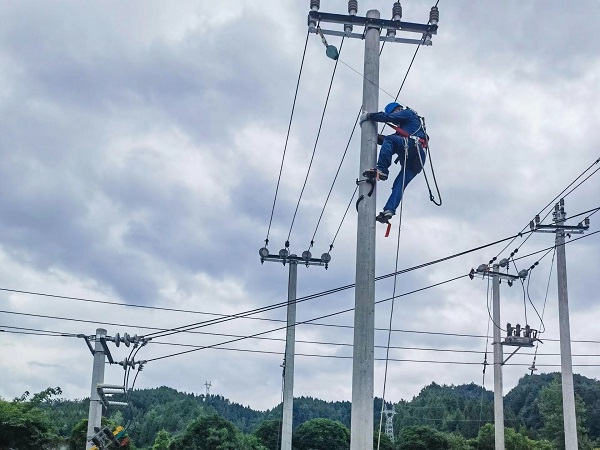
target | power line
x=338, y=171
x=240, y=315
x=315, y=146
x=331, y=291
x=553, y=200
x=287, y=137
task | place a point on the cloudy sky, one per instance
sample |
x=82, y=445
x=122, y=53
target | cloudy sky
x=140, y=147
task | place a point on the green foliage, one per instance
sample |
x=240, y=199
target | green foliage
x=451, y=409
x=269, y=434
x=383, y=441
x=513, y=440
x=457, y=411
x=308, y=408
x=321, y=434
x=551, y=410
x=24, y=425
x=458, y=442
x=214, y=433
x=162, y=441
x=422, y=438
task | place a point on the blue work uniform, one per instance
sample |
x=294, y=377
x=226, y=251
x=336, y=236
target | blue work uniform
x=395, y=144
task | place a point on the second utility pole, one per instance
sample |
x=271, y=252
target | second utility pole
x=566, y=363
x=498, y=361
x=288, y=362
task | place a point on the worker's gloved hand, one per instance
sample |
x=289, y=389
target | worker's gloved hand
x=364, y=116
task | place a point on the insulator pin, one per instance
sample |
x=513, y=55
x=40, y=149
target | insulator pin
x=315, y=5
x=434, y=15
x=397, y=11
x=352, y=7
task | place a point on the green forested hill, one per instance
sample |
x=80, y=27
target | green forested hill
x=461, y=410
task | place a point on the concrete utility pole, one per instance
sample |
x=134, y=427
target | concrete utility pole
x=288, y=362
x=363, y=363
x=363, y=358
x=566, y=363
x=101, y=394
x=95, y=411
x=498, y=361
x=290, y=337
x=517, y=340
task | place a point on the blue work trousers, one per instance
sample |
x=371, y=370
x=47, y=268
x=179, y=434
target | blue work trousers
x=397, y=145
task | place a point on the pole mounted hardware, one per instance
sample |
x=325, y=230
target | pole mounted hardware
x=106, y=392
x=284, y=257
x=559, y=217
x=349, y=21
x=485, y=271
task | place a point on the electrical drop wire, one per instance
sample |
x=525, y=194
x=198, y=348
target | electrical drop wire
x=315, y=146
x=389, y=337
x=537, y=344
x=287, y=138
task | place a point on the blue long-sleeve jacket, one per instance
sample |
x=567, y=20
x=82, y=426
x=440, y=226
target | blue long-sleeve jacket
x=405, y=119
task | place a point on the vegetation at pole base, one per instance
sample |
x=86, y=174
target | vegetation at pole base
x=321, y=434
x=214, y=433
x=422, y=438
x=269, y=434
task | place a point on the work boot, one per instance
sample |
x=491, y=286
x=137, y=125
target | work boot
x=384, y=216
x=375, y=173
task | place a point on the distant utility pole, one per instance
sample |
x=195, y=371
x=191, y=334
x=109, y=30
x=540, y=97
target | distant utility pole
x=101, y=394
x=568, y=392
x=496, y=275
x=290, y=337
x=364, y=313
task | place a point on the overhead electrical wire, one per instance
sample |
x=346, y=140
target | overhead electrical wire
x=553, y=200
x=338, y=171
x=243, y=350
x=331, y=291
x=240, y=315
x=287, y=243
x=287, y=137
x=313, y=319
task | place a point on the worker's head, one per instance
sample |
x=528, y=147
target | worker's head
x=392, y=107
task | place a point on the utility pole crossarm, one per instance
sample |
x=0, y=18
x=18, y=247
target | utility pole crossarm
x=317, y=16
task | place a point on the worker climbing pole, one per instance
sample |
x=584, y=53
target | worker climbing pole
x=410, y=144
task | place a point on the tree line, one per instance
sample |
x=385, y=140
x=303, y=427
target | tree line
x=439, y=417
